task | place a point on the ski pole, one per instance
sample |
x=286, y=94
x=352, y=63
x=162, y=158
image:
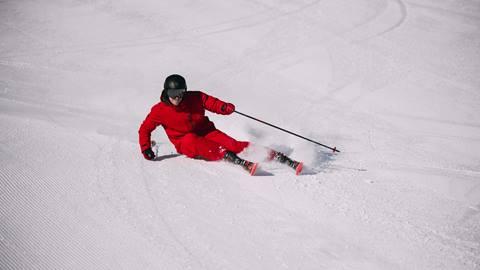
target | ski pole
x=334, y=149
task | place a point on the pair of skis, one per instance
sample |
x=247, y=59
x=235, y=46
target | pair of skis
x=251, y=167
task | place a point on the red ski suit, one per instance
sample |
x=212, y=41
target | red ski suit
x=187, y=127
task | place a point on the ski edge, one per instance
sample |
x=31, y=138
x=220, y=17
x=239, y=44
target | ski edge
x=299, y=168
x=253, y=169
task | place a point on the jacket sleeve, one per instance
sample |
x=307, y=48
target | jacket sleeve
x=213, y=104
x=145, y=131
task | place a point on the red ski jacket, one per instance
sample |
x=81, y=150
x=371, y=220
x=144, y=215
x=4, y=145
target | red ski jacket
x=187, y=117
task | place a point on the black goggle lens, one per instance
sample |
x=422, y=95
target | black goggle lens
x=176, y=93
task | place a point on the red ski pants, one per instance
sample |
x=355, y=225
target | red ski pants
x=210, y=147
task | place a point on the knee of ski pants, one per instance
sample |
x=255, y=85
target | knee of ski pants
x=226, y=141
x=194, y=146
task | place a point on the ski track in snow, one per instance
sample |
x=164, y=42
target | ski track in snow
x=199, y=32
x=402, y=17
x=75, y=192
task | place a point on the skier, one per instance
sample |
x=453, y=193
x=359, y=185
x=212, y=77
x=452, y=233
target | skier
x=182, y=114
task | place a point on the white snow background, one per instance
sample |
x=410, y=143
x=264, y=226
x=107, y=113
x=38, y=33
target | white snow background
x=394, y=84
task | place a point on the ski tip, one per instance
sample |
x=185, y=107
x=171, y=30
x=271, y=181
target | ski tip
x=299, y=169
x=253, y=169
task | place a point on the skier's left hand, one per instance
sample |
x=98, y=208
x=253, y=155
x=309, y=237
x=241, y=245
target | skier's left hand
x=228, y=108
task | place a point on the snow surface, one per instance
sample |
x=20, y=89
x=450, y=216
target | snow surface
x=394, y=84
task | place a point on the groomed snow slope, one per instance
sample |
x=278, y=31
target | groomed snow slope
x=392, y=83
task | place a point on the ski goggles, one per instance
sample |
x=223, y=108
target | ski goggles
x=176, y=93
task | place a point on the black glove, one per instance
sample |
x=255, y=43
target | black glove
x=148, y=154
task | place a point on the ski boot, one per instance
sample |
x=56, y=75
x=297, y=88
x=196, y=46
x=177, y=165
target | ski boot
x=282, y=158
x=249, y=166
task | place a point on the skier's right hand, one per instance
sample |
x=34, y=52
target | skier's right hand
x=148, y=154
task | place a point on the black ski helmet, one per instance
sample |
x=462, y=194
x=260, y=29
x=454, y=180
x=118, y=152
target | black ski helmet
x=175, y=81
